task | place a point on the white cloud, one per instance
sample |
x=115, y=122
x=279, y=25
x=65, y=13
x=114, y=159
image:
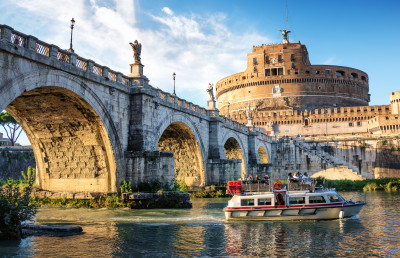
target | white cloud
x=198, y=48
x=167, y=11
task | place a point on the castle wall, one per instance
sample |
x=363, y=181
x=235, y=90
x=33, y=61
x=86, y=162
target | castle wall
x=355, y=156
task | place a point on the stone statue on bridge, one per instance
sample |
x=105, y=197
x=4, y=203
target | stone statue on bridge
x=210, y=91
x=285, y=34
x=137, y=49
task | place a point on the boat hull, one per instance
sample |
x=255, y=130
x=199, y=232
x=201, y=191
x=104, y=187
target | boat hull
x=296, y=213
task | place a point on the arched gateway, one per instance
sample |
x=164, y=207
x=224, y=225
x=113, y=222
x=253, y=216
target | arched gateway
x=71, y=132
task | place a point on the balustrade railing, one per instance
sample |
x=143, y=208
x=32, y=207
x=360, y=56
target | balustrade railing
x=17, y=40
x=97, y=70
x=80, y=63
x=42, y=49
x=63, y=56
x=112, y=76
x=125, y=81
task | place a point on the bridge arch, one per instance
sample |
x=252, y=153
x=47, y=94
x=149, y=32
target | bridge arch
x=263, y=153
x=179, y=134
x=235, y=149
x=73, y=136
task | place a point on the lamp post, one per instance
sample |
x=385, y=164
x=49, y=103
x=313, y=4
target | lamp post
x=173, y=77
x=72, y=28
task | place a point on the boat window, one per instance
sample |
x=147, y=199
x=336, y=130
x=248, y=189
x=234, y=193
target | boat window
x=297, y=200
x=266, y=201
x=247, y=202
x=334, y=198
x=317, y=199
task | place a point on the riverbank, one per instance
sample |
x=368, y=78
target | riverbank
x=158, y=200
x=368, y=185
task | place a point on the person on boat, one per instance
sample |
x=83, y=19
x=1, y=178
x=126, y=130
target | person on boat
x=250, y=179
x=296, y=177
x=266, y=178
x=306, y=179
x=257, y=178
x=290, y=177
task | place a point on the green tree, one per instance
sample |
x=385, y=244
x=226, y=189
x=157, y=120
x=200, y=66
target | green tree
x=15, y=207
x=12, y=128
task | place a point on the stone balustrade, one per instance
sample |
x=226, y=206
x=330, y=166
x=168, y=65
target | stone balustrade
x=42, y=48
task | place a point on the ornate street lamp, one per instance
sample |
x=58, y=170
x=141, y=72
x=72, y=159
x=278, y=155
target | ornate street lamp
x=72, y=28
x=173, y=77
x=229, y=116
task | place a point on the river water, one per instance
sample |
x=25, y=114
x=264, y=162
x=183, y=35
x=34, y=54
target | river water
x=203, y=231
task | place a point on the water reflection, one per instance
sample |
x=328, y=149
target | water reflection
x=202, y=231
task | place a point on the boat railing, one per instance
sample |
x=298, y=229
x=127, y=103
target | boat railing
x=301, y=186
x=256, y=186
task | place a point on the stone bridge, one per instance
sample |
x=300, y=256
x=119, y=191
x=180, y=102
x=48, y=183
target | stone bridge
x=91, y=127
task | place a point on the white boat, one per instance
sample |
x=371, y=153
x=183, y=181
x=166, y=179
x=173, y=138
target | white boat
x=298, y=201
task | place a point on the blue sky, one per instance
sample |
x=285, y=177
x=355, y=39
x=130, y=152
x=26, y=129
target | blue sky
x=204, y=41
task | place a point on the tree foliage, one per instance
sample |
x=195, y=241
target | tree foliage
x=12, y=128
x=15, y=207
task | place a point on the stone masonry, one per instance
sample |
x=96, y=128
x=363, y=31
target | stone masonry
x=91, y=127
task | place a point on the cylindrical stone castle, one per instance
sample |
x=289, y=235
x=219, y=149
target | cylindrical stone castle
x=280, y=77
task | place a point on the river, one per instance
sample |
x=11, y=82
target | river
x=203, y=231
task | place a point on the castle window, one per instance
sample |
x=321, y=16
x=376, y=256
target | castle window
x=363, y=78
x=307, y=72
x=292, y=57
x=288, y=72
x=328, y=72
x=255, y=68
x=279, y=58
x=339, y=73
x=244, y=78
x=267, y=59
x=351, y=124
x=254, y=60
x=354, y=75
x=358, y=123
x=274, y=71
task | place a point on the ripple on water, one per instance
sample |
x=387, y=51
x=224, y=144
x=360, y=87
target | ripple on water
x=203, y=231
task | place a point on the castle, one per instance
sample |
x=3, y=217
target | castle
x=282, y=94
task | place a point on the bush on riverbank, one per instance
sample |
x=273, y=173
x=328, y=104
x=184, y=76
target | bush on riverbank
x=368, y=185
x=15, y=207
x=209, y=194
x=158, y=200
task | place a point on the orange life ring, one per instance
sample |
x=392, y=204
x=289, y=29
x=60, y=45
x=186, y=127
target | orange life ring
x=278, y=185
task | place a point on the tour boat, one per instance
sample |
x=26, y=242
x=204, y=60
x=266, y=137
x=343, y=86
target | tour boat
x=295, y=201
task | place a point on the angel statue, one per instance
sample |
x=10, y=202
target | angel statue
x=285, y=34
x=248, y=112
x=137, y=49
x=210, y=91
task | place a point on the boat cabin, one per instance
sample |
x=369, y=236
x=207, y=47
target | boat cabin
x=281, y=199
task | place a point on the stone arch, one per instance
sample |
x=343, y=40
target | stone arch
x=75, y=142
x=234, y=149
x=180, y=135
x=263, y=155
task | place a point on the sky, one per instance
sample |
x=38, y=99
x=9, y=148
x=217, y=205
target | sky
x=204, y=41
